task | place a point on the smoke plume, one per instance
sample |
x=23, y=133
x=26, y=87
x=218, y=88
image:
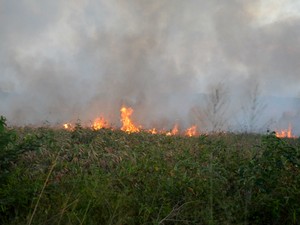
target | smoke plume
x=68, y=60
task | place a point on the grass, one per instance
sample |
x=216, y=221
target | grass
x=110, y=177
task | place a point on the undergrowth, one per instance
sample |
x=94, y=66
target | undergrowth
x=55, y=176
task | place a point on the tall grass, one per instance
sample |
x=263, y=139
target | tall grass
x=111, y=177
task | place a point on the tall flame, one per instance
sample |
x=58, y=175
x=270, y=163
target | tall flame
x=127, y=125
x=287, y=133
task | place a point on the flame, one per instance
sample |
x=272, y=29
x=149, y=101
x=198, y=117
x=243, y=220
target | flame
x=68, y=126
x=192, y=131
x=152, y=131
x=127, y=125
x=174, y=131
x=286, y=133
x=99, y=123
x=130, y=127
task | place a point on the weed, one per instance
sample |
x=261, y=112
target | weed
x=111, y=177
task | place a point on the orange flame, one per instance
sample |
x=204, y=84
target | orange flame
x=152, y=131
x=192, y=131
x=68, y=126
x=99, y=123
x=287, y=133
x=130, y=127
x=127, y=125
x=174, y=131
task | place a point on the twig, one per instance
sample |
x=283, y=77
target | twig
x=174, y=210
x=42, y=191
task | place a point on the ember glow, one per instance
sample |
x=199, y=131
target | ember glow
x=286, y=133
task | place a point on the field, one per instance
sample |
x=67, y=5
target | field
x=85, y=176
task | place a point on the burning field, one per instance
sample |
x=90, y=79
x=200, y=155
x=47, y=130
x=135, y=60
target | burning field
x=149, y=112
x=130, y=127
x=158, y=58
x=286, y=133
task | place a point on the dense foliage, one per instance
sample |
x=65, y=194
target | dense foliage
x=55, y=176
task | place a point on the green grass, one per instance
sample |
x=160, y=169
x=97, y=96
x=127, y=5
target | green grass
x=54, y=176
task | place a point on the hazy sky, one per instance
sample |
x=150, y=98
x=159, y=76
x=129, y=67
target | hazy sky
x=83, y=57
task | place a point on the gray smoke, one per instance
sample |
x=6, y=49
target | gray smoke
x=67, y=60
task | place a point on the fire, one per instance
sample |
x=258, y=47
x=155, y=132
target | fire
x=152, y=131
x=174, y=131
x=192, y=131
x=127, y=125
x=68, y=126
x=100, y=123
x=130, y=127
x=286, y=133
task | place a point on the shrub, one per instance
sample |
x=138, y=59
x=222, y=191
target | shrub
x=7, y=153
x=273, y=181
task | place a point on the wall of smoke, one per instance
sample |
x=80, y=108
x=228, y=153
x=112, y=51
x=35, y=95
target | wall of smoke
x=66, y=60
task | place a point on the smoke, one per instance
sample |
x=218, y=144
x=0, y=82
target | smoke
x=68, y=60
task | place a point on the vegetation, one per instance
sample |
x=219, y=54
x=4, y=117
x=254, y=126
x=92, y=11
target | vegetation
x=84, y=176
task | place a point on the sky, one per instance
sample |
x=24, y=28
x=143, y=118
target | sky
x=66, y=60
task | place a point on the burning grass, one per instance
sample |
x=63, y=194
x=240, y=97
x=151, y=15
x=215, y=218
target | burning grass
x=130, y=127
x=88, y=176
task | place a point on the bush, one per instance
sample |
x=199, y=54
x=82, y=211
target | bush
x=84, y=176
x=273, y=180
x=7, y=153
